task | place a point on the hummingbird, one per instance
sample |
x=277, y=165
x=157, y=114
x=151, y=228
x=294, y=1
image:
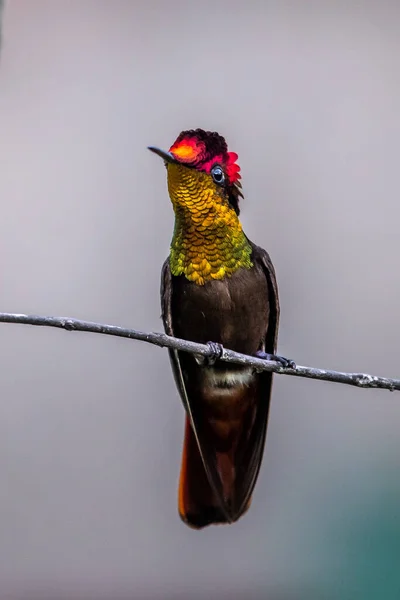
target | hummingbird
x=220, y=289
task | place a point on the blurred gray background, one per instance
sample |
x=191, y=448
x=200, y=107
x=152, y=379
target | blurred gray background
x=91, y=427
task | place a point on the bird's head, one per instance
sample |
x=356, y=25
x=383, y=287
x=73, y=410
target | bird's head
x=201, y=171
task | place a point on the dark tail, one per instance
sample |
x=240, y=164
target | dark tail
x=197, y=504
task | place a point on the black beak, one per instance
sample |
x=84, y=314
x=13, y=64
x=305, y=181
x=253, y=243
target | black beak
x=167, y=156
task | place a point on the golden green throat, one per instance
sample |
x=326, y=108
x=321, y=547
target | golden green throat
x=208, y=241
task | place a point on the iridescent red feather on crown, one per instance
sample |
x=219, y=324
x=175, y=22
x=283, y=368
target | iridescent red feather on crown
x=203, y=149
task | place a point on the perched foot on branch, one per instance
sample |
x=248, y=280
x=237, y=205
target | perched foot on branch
x=217, y=350
x=285, y=362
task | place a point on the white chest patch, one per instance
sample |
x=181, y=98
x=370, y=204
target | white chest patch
x=228, y=379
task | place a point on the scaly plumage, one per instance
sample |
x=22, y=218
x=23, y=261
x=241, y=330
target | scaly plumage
x=208, y=241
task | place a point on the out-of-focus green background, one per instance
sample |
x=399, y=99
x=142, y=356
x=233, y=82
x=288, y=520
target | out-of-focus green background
x=308, y=94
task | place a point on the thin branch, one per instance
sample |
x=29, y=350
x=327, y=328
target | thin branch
x=165, y=341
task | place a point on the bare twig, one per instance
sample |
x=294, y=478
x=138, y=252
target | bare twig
x=165, y=341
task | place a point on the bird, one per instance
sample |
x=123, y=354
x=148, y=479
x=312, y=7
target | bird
x=217, y=288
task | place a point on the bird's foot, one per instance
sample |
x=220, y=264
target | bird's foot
x=285, y=362
x=216, y=353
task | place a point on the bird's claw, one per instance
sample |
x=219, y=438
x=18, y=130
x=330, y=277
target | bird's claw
x=285, y=362
x=216, y=351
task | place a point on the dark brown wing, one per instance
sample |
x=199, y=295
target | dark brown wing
x=195, y=417
x=251, y=448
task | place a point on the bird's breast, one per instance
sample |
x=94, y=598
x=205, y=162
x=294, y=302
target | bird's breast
x=233, y=312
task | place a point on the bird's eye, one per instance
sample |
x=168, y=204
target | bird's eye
x=218, y=175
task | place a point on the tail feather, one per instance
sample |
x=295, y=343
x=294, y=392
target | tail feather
x=197, y=504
